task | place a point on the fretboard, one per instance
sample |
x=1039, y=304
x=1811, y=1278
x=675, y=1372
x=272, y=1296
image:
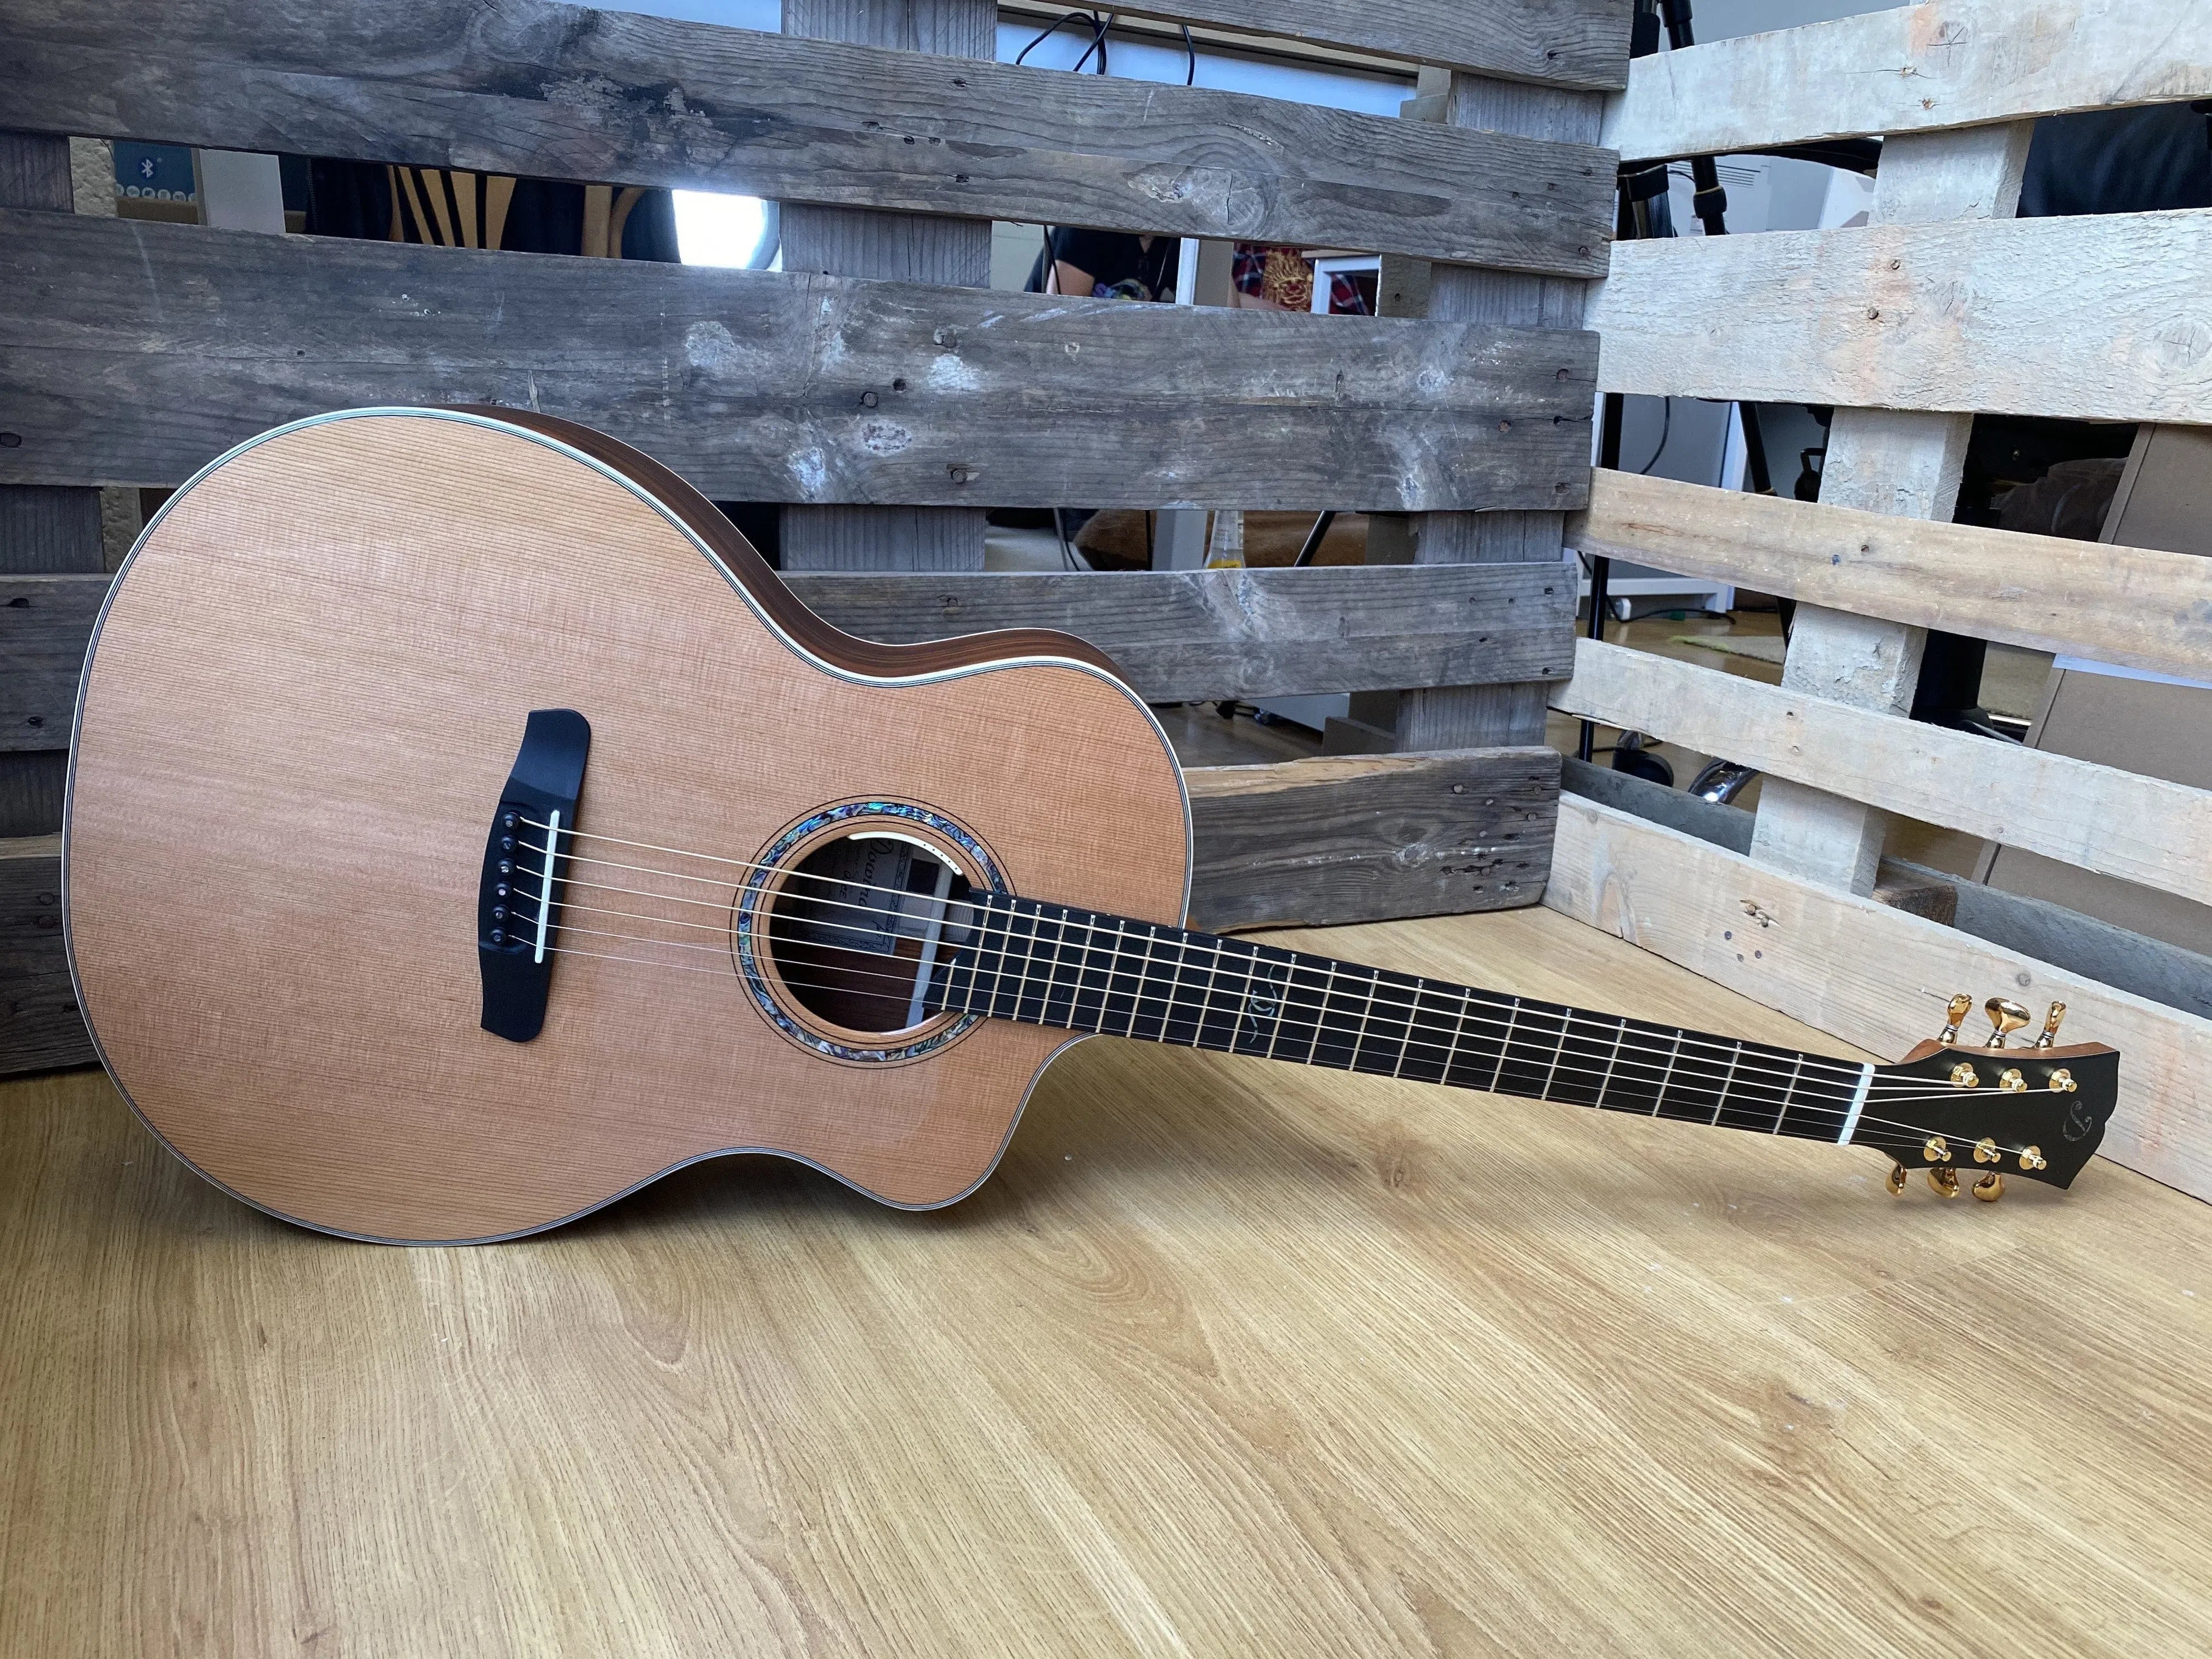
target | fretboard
x=1081, y=971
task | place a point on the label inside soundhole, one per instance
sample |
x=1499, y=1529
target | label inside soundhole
x=863, y=930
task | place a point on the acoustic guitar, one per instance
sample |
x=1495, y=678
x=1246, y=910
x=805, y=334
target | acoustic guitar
x=466, y=827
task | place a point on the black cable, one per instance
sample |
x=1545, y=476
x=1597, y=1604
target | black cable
x=1051, y=29
x=1190, y=50
x=1666, y=426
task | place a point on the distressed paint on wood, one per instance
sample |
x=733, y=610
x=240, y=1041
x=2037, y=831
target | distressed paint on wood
x=1371, y=837
x=134, y=352
x=2118, y=824
x=2138, y=607
x=1942, y=64
x=1874, y=976
x=560, y=91
x=2104, y=318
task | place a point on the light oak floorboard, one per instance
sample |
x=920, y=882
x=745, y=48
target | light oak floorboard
x=1228, y=1359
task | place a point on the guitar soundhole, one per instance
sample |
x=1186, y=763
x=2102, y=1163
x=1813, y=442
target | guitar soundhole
x=862, y=931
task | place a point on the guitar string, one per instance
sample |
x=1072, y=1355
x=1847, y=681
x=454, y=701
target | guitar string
x=1841, y=1074
x=1844, y=1071
x=1909, y=1138
x=905, y=983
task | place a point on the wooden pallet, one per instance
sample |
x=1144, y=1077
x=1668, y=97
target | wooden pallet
x=874, y=387
x=1943, y=306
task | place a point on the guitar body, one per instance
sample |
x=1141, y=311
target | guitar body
x=301, y=705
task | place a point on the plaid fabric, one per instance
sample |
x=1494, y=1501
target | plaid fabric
x=1280, y=277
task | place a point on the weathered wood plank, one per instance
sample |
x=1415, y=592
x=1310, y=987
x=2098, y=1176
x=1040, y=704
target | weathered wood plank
x=1884, y=460
x=2139, y=607
x=42, y=528
x=45, y=623
x=1900, y=885
x=2090, y=319
x=1913, y=69
x=564, y=92
x=1179, y=636
x=133, y=352
x=1469, y=716
x=2097, y=818
x=1871, y=976
x=1566, y=43
x=39, y=1024
x=1371, y=837
x=897, y=247
x=2149, y=968
x=1192, y=636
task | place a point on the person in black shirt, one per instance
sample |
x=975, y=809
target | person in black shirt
x=1107, y=266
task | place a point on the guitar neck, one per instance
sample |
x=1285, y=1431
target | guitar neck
x=1081, y=970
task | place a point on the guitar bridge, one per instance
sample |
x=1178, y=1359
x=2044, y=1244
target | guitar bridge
x=518, y=897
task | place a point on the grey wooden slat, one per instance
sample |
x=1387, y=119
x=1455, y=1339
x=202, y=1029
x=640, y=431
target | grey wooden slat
x=132, y=353
x=1568, y=43
x=900, y=248
x=2035, y=927
x=1194, y=635
x=563, y=92
x=1179, y=636
x=49, y=528
x=45, y=621
x=1372, y=837
x=39, y=1025
x=1467, y=716
x=42, y=528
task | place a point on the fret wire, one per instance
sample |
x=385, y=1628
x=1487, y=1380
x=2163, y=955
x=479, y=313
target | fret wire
x=1175, y=991
x=1459, y=1030
x=1659, y=1095
x=1505, y=1047
x=1782, y=1110
x=1420, y=1016
x=1606, y=1081
x=1366, y=1014
x=1036, y=935
x=1571, y=1017
x=1406, y=1044
x=1280, y=995
x=1727, y=1077
x=1205, y=1001
x=1557, y=1054
x=1144, y=972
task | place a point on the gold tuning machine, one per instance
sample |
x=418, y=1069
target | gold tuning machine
x=1955, y=1016
x=1990, y=1187
x=2006, y=1017
x=1945, y=1180
x=1895, y=1180
x=2050, y=1037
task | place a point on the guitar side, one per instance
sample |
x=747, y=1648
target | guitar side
x=301, y=701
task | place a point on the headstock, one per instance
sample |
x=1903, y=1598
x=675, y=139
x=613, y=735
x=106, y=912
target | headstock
x=1983, y=1112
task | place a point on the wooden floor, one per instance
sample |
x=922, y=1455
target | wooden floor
x=1229, y=1360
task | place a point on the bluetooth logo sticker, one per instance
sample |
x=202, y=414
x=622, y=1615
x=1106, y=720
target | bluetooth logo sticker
x=147, y=168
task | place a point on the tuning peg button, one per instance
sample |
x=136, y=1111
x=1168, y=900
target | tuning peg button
x=1955, y=1016
x=1944, y=1180
x=2006, y=1017
x=1990, y=1187
x=2050, y=1037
